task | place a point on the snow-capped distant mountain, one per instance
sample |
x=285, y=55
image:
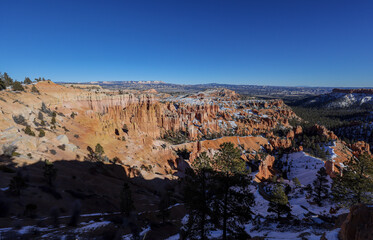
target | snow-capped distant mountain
x=343, y=98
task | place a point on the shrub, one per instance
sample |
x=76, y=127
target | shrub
x=34, y=89
x=27, y=80
x=53, y=121
x=17, y=86
x=28, y=131
x=41, y=133
x=8, y=150
x=62, y=147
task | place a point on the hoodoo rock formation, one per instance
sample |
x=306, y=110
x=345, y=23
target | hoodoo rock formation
x=143, y=129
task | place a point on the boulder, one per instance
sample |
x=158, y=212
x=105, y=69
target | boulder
x=63, y=139
x=359, y=223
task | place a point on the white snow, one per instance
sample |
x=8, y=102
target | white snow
x=303, y=166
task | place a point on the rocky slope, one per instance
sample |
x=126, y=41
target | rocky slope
x=343, y=99
x=154, y=136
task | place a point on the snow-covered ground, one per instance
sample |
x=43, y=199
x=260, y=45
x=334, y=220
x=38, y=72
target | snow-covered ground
x=302, y=166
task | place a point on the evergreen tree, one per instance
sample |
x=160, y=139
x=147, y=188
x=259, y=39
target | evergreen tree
x=356, y=183
x=28, y=131
x=34, y=89
x=99, y=150
x=17, y=86
x=320, y=186
x=2, y=84
x=126, y=202
x=296, y=182
x=198, y=197
x=7, y=80
x=164, y=205
x=279, y=203
x=232, y=200
x=49, y=172
x=53, y=121
x=27, y=80
x=41, y=133
x=17, y=183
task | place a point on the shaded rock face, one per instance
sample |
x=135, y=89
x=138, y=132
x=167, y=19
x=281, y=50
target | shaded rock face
x=359, y=223
x=323, y=131
x=365, y=91
x=360, y=148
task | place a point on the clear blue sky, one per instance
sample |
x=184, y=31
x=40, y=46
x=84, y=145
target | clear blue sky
x=280, y=42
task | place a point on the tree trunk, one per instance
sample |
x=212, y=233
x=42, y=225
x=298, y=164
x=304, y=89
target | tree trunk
x=203, y=223
x=225, y=211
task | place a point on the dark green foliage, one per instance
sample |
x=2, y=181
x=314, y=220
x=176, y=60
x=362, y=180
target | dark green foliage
x=17, y=86
x=97, y=155
x=320, y=186
x=28, y=131
x=296, y=182
x=8, y=81
x=99, y=150
x=34, y=89
x=49, y=172
x=53, y=121
x=216, y=194
x=2, y=85
x=231, y=206
x=356, y=183
x=177, y=137
x=198, y=197
x=279, y=203
x=27, y=80
x=41, y=133
x=126, y=202
x=17, y=183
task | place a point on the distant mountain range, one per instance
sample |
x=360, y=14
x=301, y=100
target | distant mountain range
x=254, y=90
x=342, y=99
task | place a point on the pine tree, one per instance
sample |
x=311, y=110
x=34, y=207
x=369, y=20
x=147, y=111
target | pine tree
x=34, y=89
x=198, y=197
x=27, y=80
x=7, y=80
x=41, y=133
x=50, y=172
x=2, y=84
x=232, y=198
x=17, y=183
x=164, y=205
x=28, y=131
x=99, y=150
x=356, y=183
x=320, y=186
x=126, y=202
x=296, y=182
x=279, y=203
x=17, y=86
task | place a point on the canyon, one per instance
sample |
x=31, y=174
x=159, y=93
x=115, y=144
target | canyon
x=151, y=138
